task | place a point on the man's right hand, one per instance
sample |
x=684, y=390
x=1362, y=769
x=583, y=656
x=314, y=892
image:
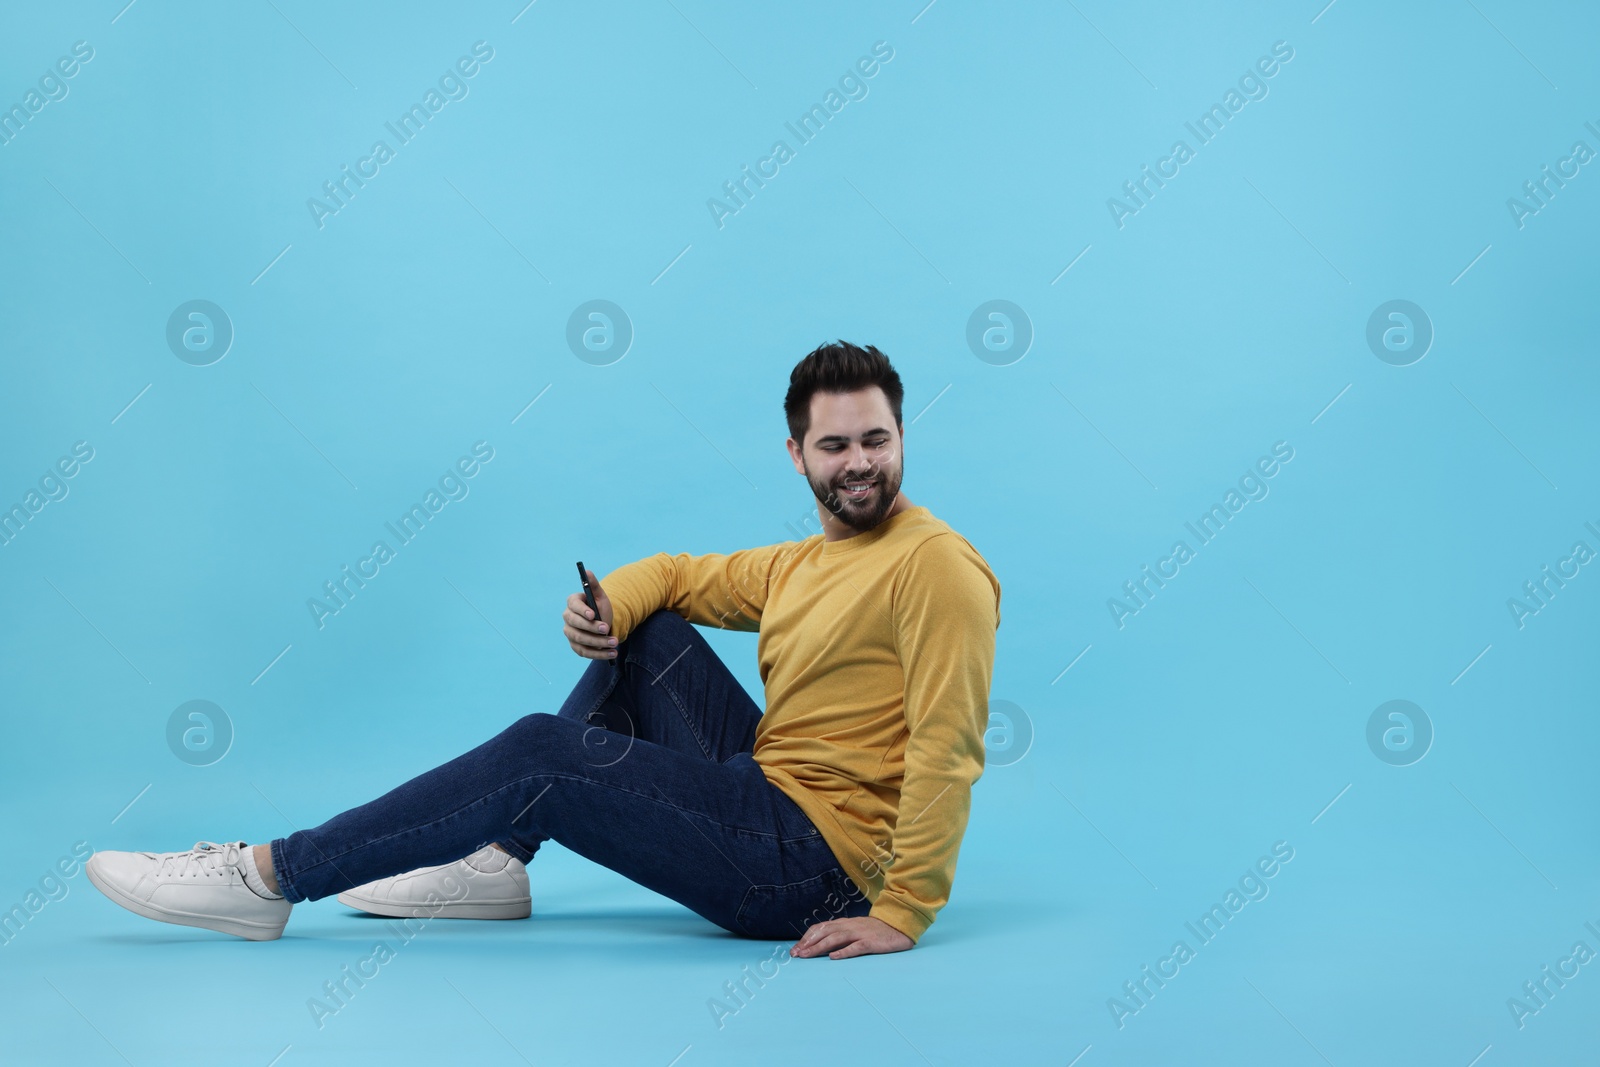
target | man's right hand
x=589, y=637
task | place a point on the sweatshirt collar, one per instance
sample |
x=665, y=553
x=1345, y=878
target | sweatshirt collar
x=830, y=549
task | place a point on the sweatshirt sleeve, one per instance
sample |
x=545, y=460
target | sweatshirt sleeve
x=728, y=591
x=946, y=611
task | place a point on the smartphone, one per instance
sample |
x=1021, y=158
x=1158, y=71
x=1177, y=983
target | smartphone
x=588, y=591
x=588, y=598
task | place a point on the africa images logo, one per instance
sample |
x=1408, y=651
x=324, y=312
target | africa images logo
x=452, y=85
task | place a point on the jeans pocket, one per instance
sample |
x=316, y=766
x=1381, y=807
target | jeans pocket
x=785, y=912
x=794, y=825
x=789, y=821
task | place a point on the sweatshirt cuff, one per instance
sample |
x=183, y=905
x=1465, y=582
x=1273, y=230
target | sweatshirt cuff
x=907, y=920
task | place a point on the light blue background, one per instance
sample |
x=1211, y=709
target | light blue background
x=1229, y=314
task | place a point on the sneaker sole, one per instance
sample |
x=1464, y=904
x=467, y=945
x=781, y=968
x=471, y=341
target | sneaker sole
x=467, y=909
x=250, y=931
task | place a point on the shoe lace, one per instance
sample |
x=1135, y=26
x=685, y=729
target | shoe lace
x=206, y=858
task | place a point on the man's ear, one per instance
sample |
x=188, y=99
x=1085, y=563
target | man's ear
x=795, y=456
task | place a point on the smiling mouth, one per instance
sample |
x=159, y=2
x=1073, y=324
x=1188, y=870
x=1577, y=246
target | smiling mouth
x=853, y=494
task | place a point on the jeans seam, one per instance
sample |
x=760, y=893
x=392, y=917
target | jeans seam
x=509, y=785
x=677, y=702
x=283, y=871
x=611, y=687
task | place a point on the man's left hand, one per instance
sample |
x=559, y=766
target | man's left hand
x=856, y=936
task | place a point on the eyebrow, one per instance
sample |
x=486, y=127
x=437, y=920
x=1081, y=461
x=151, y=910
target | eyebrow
x=842, y=437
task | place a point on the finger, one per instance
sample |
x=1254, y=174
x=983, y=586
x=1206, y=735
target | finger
x=579, y=616
x=599, y=643
x=578, y=627
x=855, y=948
x=832, y=940
x=580, y=608
x=812, y=934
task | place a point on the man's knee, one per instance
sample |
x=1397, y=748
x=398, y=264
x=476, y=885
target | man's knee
x=658, y=632
x=531, y=729
x=660, y=624
x=567, y=745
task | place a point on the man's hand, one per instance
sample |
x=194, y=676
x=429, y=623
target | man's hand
x=861, y=935
x=589, y=637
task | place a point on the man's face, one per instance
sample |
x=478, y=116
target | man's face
x=853, y=439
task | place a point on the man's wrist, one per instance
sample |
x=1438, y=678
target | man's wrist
x=907, y=920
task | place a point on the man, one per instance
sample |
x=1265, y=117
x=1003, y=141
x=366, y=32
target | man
x=835, y=817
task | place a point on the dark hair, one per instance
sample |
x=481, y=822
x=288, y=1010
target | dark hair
x=840, y=367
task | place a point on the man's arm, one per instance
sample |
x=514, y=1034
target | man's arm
x=946, y=611
x=728, y=591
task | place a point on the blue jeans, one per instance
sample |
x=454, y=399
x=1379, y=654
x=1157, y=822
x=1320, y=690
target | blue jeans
x=646, y=770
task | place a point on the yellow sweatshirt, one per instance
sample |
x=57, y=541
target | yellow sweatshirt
x=876, y=652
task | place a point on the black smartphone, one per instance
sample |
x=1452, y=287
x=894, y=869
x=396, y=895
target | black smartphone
x=588, y=598
x=588, y=591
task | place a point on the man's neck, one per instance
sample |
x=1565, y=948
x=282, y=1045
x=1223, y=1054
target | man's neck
x=835, y=530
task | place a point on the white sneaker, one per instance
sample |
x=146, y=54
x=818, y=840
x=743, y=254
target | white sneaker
x=202, y=887
x=489, y=884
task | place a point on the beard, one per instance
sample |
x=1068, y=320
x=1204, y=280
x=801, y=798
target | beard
x=859, y=515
